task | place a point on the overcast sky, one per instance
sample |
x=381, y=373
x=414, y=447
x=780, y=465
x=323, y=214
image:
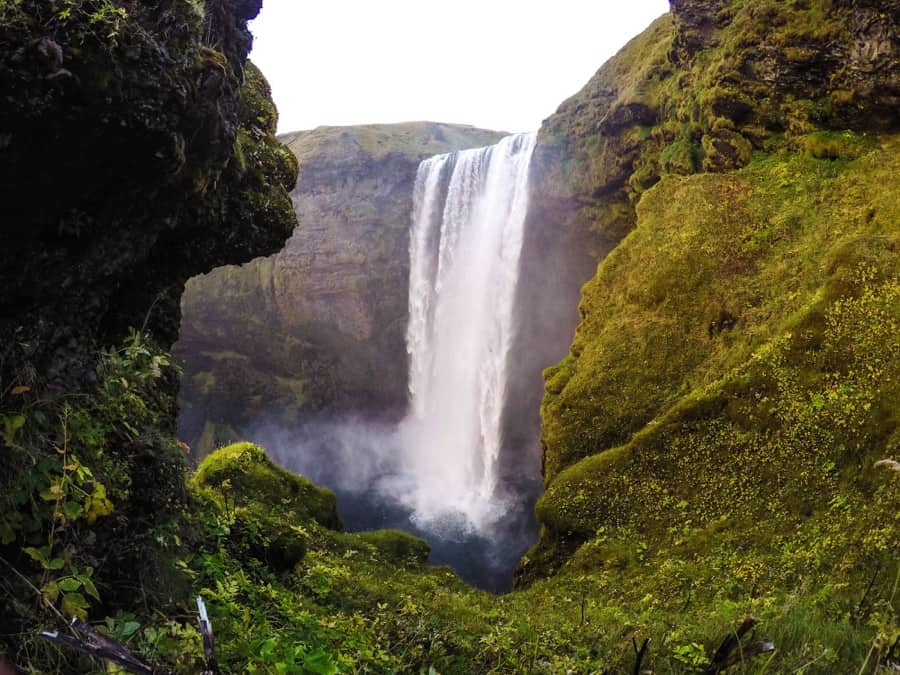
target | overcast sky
x=497, y=64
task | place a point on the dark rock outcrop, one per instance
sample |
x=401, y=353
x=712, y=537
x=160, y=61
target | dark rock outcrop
x=136, y=150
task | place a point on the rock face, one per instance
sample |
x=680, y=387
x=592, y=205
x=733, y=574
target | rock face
x=734, y=159
x=320, y=327
x=705, y=87
x=136, y=150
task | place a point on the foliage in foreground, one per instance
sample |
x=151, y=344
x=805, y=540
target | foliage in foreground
x=288, y=592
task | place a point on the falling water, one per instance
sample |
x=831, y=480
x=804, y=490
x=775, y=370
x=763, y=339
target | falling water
x=465, y=243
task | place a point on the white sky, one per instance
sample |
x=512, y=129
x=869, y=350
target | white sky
x=497, y=64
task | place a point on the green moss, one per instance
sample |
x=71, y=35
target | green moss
x=679, y=157
x=711, y=439
x=834, y=144
x=749, y=246
x=397, y=546
x=277, y=544
x=257, y=107
x=725, y=149
x=245, y=477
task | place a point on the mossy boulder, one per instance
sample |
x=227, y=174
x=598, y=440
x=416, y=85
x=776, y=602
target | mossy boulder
x=245, y=477
x=277, y=544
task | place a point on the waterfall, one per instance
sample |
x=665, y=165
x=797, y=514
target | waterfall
x=465, y=243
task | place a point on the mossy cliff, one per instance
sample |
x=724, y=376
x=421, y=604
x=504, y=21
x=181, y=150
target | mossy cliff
x=702, y=89
x=136, y=150
x=319, y=327
x=705, y=87
x=712, y=437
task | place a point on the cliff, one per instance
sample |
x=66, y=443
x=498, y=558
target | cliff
x=733, y=380
x=320, y=327
x=136, y=150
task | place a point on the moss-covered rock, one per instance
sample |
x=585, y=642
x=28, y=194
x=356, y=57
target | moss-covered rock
x=706, y=87
x=397, y=546
x=715, y=265
x=136, y=150
x=737, y=363
x=278, y=545
x=244, y=477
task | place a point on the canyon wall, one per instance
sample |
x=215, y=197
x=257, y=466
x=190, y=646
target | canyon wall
x=318, y=329
x=736, y=159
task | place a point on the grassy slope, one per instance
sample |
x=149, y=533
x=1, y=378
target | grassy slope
x=740, y=462
x=750, y=249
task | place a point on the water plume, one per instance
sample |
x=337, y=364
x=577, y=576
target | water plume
x=465, y=244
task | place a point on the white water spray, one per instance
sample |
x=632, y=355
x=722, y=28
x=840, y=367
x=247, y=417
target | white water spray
x=465, y=243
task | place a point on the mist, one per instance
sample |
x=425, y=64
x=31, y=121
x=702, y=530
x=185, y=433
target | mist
x=493, y=292
x=360, y=460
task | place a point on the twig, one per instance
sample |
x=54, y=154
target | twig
x=61, y=494
x=725, y=657
x=858, y=612
x=101, y=647
x=206, y=631
x=639, y=654
x=149, y=311
x=32, y=587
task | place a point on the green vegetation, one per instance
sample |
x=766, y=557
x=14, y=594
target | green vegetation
x=716, y=267
x=416, y=139
x=711, y=441
x=707, y=87
x=92, y=499
x=287, y=592
x=721, y=442
x=241, y=473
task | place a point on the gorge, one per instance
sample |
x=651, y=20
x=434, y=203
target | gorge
x=437, y=470
x=696, y=354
